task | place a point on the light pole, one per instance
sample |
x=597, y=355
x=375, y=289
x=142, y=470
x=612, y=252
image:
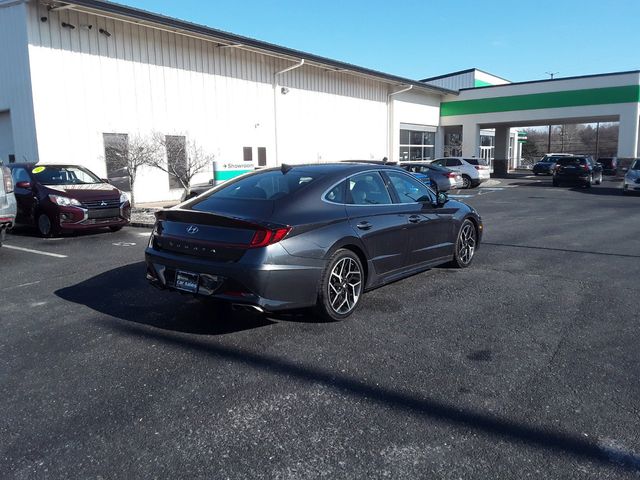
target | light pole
x=551, y=74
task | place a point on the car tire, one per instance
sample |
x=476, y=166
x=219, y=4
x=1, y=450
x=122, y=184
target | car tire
x=599, y=181
x=46, y=228
x=115, y=228
x=341, y=286
x=589, y=182
x=466, y=245
x=466, y=182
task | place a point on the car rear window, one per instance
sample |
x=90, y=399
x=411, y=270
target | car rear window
x=476, y=161
x=565, y=161
x=270, y=185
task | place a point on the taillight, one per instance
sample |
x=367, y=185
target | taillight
x=451, y=175
x=585, y=166
x=8, y=181
x=265, y=237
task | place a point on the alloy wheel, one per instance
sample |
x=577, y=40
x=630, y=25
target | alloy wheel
x=467, y=243
x=344, y=286
x=466, y=182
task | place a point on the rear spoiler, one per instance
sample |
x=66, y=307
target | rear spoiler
x=211, y=218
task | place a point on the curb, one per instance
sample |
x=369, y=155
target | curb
x=140, y=225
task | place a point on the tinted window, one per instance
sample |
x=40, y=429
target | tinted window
x=440, y=162
x=453, y=162
x=55, y=175
x=636, y=165
x=476, y=161
x=336, y=194
x=265, y=186
x=368, y=189
x=408, y=189
x=571, y=161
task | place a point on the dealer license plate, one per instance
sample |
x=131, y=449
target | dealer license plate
x=187, y=281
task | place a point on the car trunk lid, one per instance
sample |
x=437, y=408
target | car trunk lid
x=213, y=235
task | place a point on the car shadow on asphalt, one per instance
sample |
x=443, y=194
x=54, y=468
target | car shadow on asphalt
x=124, y=293
x=558, y=442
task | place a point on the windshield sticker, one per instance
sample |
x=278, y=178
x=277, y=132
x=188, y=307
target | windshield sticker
x=38, y=170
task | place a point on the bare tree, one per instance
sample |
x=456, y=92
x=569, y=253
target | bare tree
x=184, y=158
x=126, y=154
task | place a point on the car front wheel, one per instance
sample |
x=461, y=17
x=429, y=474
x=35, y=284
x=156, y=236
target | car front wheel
x=466, y=245
x=341, y=286
x=45, y=226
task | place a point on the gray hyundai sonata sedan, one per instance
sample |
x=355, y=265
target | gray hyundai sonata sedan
x=308, y=236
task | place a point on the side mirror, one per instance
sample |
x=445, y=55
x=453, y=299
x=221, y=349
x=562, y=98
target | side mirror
x=25, y=185
x=105, y=180
x=625, y=169
x=441, y=199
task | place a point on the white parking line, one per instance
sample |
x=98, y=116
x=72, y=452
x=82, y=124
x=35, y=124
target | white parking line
x=38, y=252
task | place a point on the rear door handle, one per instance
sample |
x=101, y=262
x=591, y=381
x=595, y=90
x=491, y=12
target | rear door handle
x=415, y=218
x=364, y=225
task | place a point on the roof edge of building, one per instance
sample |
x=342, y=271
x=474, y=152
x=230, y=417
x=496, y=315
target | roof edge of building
x=178, y=25
x=576, y=77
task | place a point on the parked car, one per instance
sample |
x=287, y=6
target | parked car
x=57, y=198
x=7, y=202
x=577, y=170
x=195, y=190
x=609, y=165
x=308, y=236
x=547, y=163
x=631, y=182
x=474, y=171
x=440, y=178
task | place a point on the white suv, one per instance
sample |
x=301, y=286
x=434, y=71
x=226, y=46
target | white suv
x=7, y=202
x=474, y=171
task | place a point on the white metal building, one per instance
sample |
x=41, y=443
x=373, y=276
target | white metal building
x=87, y=71
x=80, y=74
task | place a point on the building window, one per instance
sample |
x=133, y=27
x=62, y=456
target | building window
x=417, y=145
x=12, y=158
x=116, y=156
x=262, y=157
x=176, y=158
x=247, y=154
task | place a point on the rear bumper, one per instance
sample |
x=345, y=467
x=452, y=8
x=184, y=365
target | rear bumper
x=578, y=179
x=271, y=287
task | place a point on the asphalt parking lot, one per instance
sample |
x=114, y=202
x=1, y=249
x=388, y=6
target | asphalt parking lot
x=523, y=366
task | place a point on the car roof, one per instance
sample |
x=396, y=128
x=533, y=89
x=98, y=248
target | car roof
x=348, y=166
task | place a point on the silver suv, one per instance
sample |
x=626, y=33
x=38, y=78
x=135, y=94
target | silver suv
x=7, y=202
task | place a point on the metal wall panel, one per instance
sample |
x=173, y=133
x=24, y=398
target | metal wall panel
x=15, y=84
x=144, y=80
x=455, y=82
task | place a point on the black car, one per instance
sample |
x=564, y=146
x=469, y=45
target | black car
x=577, y=170
x=609, y=165
x=308, y=235
x=547, y=164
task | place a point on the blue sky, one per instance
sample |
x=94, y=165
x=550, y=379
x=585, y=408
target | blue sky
x=416, y=39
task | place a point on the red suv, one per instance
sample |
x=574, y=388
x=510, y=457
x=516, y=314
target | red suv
x=56, y=198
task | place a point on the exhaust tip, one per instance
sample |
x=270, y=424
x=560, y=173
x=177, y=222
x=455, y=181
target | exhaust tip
x=245, y=307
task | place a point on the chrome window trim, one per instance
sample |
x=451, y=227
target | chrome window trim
x=397, y=169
